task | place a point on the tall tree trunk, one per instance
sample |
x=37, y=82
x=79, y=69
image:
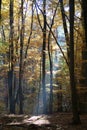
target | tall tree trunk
x=39, y=90
x=83, y=82
x=76, y=118
x=84, y=15
x=21, y=61
x=51, y=75
x=51, y=63
x=44, y=58
x=3, y=34
x=11, y=60
x=65, y=27
x=0, y=8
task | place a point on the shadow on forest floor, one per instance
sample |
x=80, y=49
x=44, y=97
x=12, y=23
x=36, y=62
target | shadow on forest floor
x=56, y=121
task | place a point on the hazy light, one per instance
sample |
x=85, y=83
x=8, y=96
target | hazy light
x=38, y=120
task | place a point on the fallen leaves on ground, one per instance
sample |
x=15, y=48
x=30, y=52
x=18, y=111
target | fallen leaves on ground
x=56, y=121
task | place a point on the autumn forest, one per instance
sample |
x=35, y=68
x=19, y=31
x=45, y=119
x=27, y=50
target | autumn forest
x=43, y=58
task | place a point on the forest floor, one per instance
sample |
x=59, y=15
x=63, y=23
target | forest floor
x=57, y=121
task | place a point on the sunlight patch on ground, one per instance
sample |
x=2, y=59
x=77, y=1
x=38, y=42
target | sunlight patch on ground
x=37, y=120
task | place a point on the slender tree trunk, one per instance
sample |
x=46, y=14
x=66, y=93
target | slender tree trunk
x=0, y=8
x=29, y=38
x=51, y=76
x=3, y=34
x=76, y=118
x=11, y=60
x=84, y=16
x=44, y=58
x=21, y=61
x=65, y=27
x=39, y=90
x=51, y=64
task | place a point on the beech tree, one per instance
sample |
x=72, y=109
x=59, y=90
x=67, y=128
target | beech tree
x=20, y=90
x=44, y=57
x=11, y=60
x=76, y=118
x=51, y=61
x=65, y=27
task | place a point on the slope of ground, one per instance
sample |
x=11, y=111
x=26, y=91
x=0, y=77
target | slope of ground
x=57, y=121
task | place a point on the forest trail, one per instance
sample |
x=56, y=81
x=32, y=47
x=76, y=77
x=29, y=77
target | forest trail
x=57, y=121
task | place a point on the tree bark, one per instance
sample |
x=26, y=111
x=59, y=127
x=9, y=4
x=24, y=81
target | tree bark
x=44, y=58
x=11, y=60
x=0, y=8
x=76, y=118
x=51, y=63
x=51, y=80
x=21, y=61
x=84, y=16
x=65, y=27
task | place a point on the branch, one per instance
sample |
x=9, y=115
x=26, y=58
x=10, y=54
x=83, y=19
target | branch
x=54, y=37
x=38, y=18
x=58, y=44
x=30, y=34
x=49, y=35
x=74, y=26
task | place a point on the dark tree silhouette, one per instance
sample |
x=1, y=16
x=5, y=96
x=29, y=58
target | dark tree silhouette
x=84, y=15
x=11, y=60
x=21, y=61
x=44, y=57
x=76, y=118
x=65, y=27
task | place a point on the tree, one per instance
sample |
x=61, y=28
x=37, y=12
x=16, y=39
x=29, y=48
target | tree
x=76, y=118
x=11, y=60
x=44, y=57
x=0, y=8
x=84, y=17
x=83, y=82
x=20, y=90
x=65, y=27
x=51, y=62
